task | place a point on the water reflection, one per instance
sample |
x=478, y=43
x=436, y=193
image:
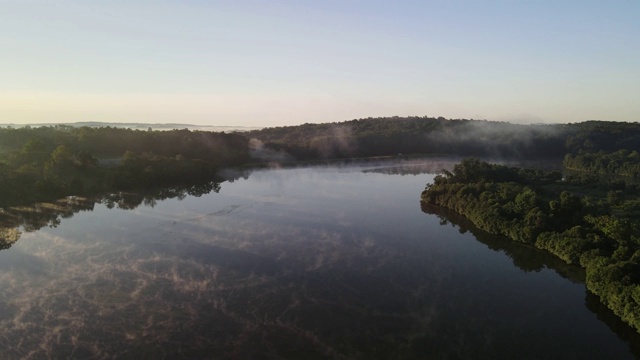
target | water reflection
x=297, y=263
x=15, y=220
x=524, y=257
x=622, y=330
x=414, y=167
x=529, y=259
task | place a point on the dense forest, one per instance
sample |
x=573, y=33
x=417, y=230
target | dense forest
x=595, y=225
x=622, y=163
x=413, y=135
x=425, y=135
x=47, y=163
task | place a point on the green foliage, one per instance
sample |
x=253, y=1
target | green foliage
x=428, y=135
x=568, y=245
x=148, y=169
x=414, y=135
x=50, y=162
x=622, y=162
x=618, y=286
x=601, y=234
x=606, y=136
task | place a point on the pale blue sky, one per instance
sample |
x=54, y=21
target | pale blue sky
x=265, y=63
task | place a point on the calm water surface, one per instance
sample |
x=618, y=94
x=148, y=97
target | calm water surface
x=303, y=263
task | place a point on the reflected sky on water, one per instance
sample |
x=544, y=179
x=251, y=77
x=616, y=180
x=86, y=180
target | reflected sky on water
x=309, y=262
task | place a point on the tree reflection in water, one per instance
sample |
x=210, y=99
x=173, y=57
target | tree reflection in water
x=246, y=278
x=527, y=258
x=15, y=220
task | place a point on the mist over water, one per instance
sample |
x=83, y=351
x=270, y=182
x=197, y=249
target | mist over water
x=309, y=262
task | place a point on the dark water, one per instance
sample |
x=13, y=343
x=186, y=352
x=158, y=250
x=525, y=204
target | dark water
x=304, y=263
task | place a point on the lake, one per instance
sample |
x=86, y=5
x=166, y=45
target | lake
x=334, y=261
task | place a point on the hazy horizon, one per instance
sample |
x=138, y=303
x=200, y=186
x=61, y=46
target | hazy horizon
x=262, y=64
x=217, y=128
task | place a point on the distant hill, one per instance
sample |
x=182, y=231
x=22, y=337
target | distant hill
x=427, y=135
x=415, y=135
x=140, y=126
x=395, y=135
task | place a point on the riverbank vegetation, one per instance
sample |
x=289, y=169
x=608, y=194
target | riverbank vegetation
x=594, y=224
x=619, y=163
x=429, y=135
x=413, y=135
x=47, y=163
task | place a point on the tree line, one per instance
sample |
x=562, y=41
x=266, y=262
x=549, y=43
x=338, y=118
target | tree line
x=596, y=227
x=428, y=135
x=47, y=163
x=619, y=163
x=412, y=135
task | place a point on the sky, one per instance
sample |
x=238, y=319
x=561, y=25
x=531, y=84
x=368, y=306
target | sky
x=271, y=63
